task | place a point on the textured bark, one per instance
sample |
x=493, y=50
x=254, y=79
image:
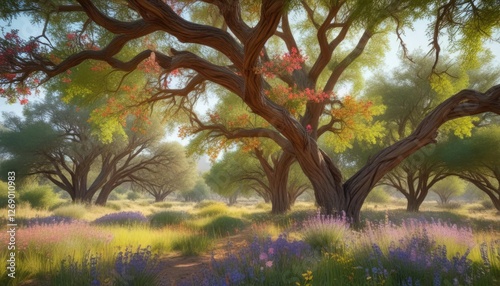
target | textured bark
x=277, y=177
x=464, y=103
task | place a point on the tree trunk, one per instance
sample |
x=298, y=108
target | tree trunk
x=102, y=198
x=413, y=203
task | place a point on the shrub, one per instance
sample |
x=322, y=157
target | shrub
x=213, y=210
x=224, y=225
x=266, y=262
x=165, y=218
x=39, y=197
x=378, y=196
x=487, y=204
x=192, y=245
x=206, y=203
x=75, y=211
x=133, y=196
x=114, y=206
x=327, y=234
x=121, y=218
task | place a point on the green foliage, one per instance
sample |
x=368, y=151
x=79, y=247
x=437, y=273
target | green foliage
x=379, y=196
x=3, y=195
x=167, y=218
x=132, y=196
x=197, y=194
x=192, y=245
x=448, y=188
x=224, y=225
x=76, y=211
x=114, y=206
x=164, y=205
x=213, y=210
x=39, y=197
x=487, y=204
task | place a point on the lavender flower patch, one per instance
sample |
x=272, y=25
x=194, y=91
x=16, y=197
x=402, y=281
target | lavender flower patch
x=74, y=273
x=137, y=268
x=50, y=220
x=122, y=218
x=419, y=261
x=130, y=268
x=278, y=262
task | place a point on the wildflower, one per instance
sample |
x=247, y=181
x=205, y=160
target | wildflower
x=263, y=256
x=269, y=263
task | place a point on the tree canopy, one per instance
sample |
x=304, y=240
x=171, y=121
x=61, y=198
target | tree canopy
x=55, y=140
x=265, y=54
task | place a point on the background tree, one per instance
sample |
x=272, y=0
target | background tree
x=339, y=33
x=448, y=188
x=227, y=176
x=175, y=172
x=475, y=160
x=408, y=96
x=199, y=192
x=243, y=171
x=55, y=140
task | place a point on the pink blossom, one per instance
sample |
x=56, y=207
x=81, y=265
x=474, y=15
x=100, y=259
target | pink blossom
x=269, y=263
x=263, y=256
x=270, y=251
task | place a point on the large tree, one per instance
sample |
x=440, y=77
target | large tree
x=334, y=35
x=55, y=140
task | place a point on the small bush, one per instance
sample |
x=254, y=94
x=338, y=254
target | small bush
x=206, y=203
x=487, y=204
x=39, y=197
x=133, y=196
x=121, y=218
x=378, y=196
x=224, y=225
x=165, y=218
x=114, y=206
x=192, y=245
x=213, y=210
x=75, y=211
x=263, y=206
x=326, y=234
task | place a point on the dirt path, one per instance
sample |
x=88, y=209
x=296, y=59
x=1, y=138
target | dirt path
x=177, y=267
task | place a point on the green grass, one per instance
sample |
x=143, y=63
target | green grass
x=192, y=245
x=75, y=211
x=167, y=218
x=182, y=229
x=212, y=209
x=224, y=225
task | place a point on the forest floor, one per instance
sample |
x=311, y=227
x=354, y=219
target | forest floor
x=177, y=267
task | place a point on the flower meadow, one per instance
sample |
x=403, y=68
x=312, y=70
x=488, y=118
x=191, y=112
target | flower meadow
x=127, y=248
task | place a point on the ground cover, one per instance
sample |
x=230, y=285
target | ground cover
x=211, y=244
